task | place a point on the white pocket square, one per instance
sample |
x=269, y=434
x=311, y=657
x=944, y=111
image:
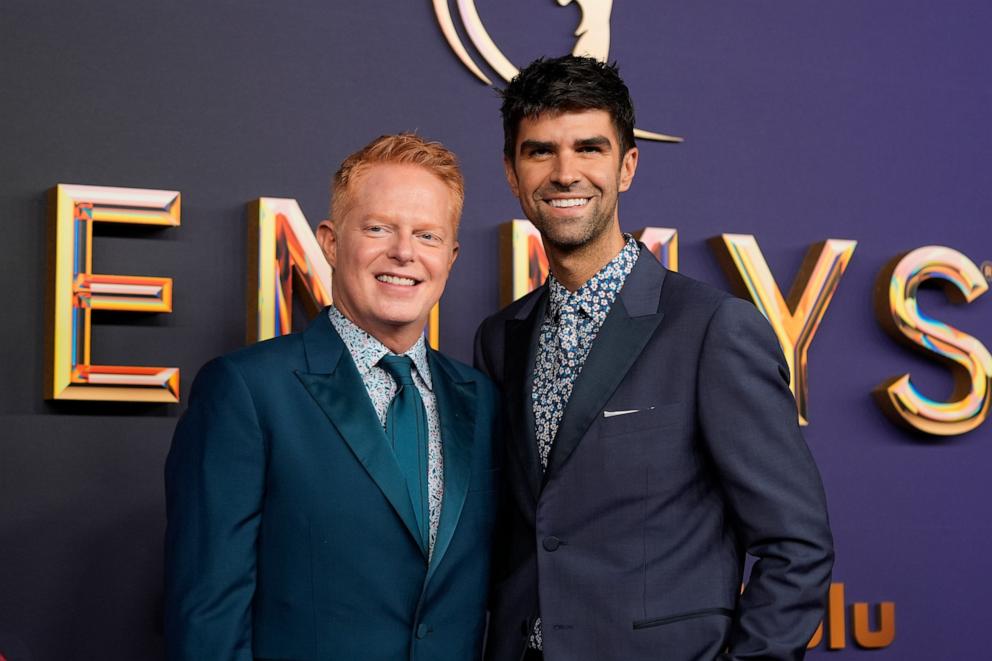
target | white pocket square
x=613, y=414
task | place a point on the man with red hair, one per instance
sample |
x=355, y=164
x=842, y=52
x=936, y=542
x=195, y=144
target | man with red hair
x=330, y=493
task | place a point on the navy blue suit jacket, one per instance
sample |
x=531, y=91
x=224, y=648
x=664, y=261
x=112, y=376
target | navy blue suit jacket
x=678, y=453
x=290, y=531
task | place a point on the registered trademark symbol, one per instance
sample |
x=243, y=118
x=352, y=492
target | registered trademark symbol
x=987, y=270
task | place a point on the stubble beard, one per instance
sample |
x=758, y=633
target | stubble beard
x=567, y=236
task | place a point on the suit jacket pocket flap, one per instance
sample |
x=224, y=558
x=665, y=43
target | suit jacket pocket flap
x=690, y=615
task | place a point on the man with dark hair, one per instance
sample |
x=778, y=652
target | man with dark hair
x=653, y=440
x=567, y=84
x=330, y=493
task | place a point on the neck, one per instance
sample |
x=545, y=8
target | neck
x=574, y=267
x=398, y=339
x=398, y=343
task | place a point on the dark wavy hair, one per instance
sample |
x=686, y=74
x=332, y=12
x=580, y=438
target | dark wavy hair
x=565, y=84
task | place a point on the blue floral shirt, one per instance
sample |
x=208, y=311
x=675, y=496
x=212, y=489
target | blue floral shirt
x=567, y=333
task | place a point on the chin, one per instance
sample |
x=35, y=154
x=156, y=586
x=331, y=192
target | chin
x=403, y=317
x=567, y=241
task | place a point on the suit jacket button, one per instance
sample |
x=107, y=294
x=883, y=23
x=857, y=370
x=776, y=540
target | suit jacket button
x=551, y=543
x=422, y=630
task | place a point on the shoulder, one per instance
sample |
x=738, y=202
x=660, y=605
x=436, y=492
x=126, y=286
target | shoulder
x=520, y=307
x=691, y=297
x=460, y=372
x=682, y=292
x=276, y=348
x=710, y=311
x=255, y=363
x=456, y=370
x=724, y=322
x=736, y=322
x=490, y=338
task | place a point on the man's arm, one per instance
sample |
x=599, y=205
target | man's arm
x=214, y=478
x=749, y=422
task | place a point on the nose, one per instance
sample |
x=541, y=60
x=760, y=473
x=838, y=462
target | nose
x=401, y=249
x=566, y=170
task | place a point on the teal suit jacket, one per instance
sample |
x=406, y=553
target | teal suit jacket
x=290, y=531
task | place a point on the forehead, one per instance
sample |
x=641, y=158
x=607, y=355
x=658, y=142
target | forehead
x=568, y=126
x=400, y=191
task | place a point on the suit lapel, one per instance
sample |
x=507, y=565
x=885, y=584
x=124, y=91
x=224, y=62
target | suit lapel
x=522, y=337
x=335, y=384
x=456, y=405
x=631, y=322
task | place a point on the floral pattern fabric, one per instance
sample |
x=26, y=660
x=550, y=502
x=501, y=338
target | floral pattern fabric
x=366, y=351
x=569, y=328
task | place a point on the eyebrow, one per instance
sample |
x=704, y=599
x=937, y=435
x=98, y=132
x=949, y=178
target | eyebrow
x=530, y=145
x=600, y=141
x=595, y=141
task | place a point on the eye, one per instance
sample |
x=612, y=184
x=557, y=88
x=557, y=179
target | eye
x=590, y=149
x=375, y=229
x=430, y=237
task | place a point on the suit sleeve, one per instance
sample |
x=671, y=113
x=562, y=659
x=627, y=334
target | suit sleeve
x=214, y=477
x=772, y=487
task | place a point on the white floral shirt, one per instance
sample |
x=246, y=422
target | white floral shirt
x=366, y=351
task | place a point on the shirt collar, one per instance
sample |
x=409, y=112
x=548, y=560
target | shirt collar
x=367, y=351
x=608, y=280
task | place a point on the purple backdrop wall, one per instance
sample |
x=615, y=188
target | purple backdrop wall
x=803, y=121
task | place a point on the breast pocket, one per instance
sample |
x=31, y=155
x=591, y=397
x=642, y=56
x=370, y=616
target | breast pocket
x=616, y=420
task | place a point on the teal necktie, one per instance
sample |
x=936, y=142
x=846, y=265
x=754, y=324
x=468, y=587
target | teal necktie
x=406, y=429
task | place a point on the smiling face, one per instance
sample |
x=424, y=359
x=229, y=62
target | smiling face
x=568, y=173
x=391, y=251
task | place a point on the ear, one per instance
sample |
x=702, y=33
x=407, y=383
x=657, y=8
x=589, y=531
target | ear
x=627, y=168
x=511, y=176
x=454, y=255
x=327, y=238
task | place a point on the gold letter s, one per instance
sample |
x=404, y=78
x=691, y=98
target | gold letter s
x=898, y=312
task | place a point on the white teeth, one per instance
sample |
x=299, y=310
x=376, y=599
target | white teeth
x=570, y=202
x=395, y=280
